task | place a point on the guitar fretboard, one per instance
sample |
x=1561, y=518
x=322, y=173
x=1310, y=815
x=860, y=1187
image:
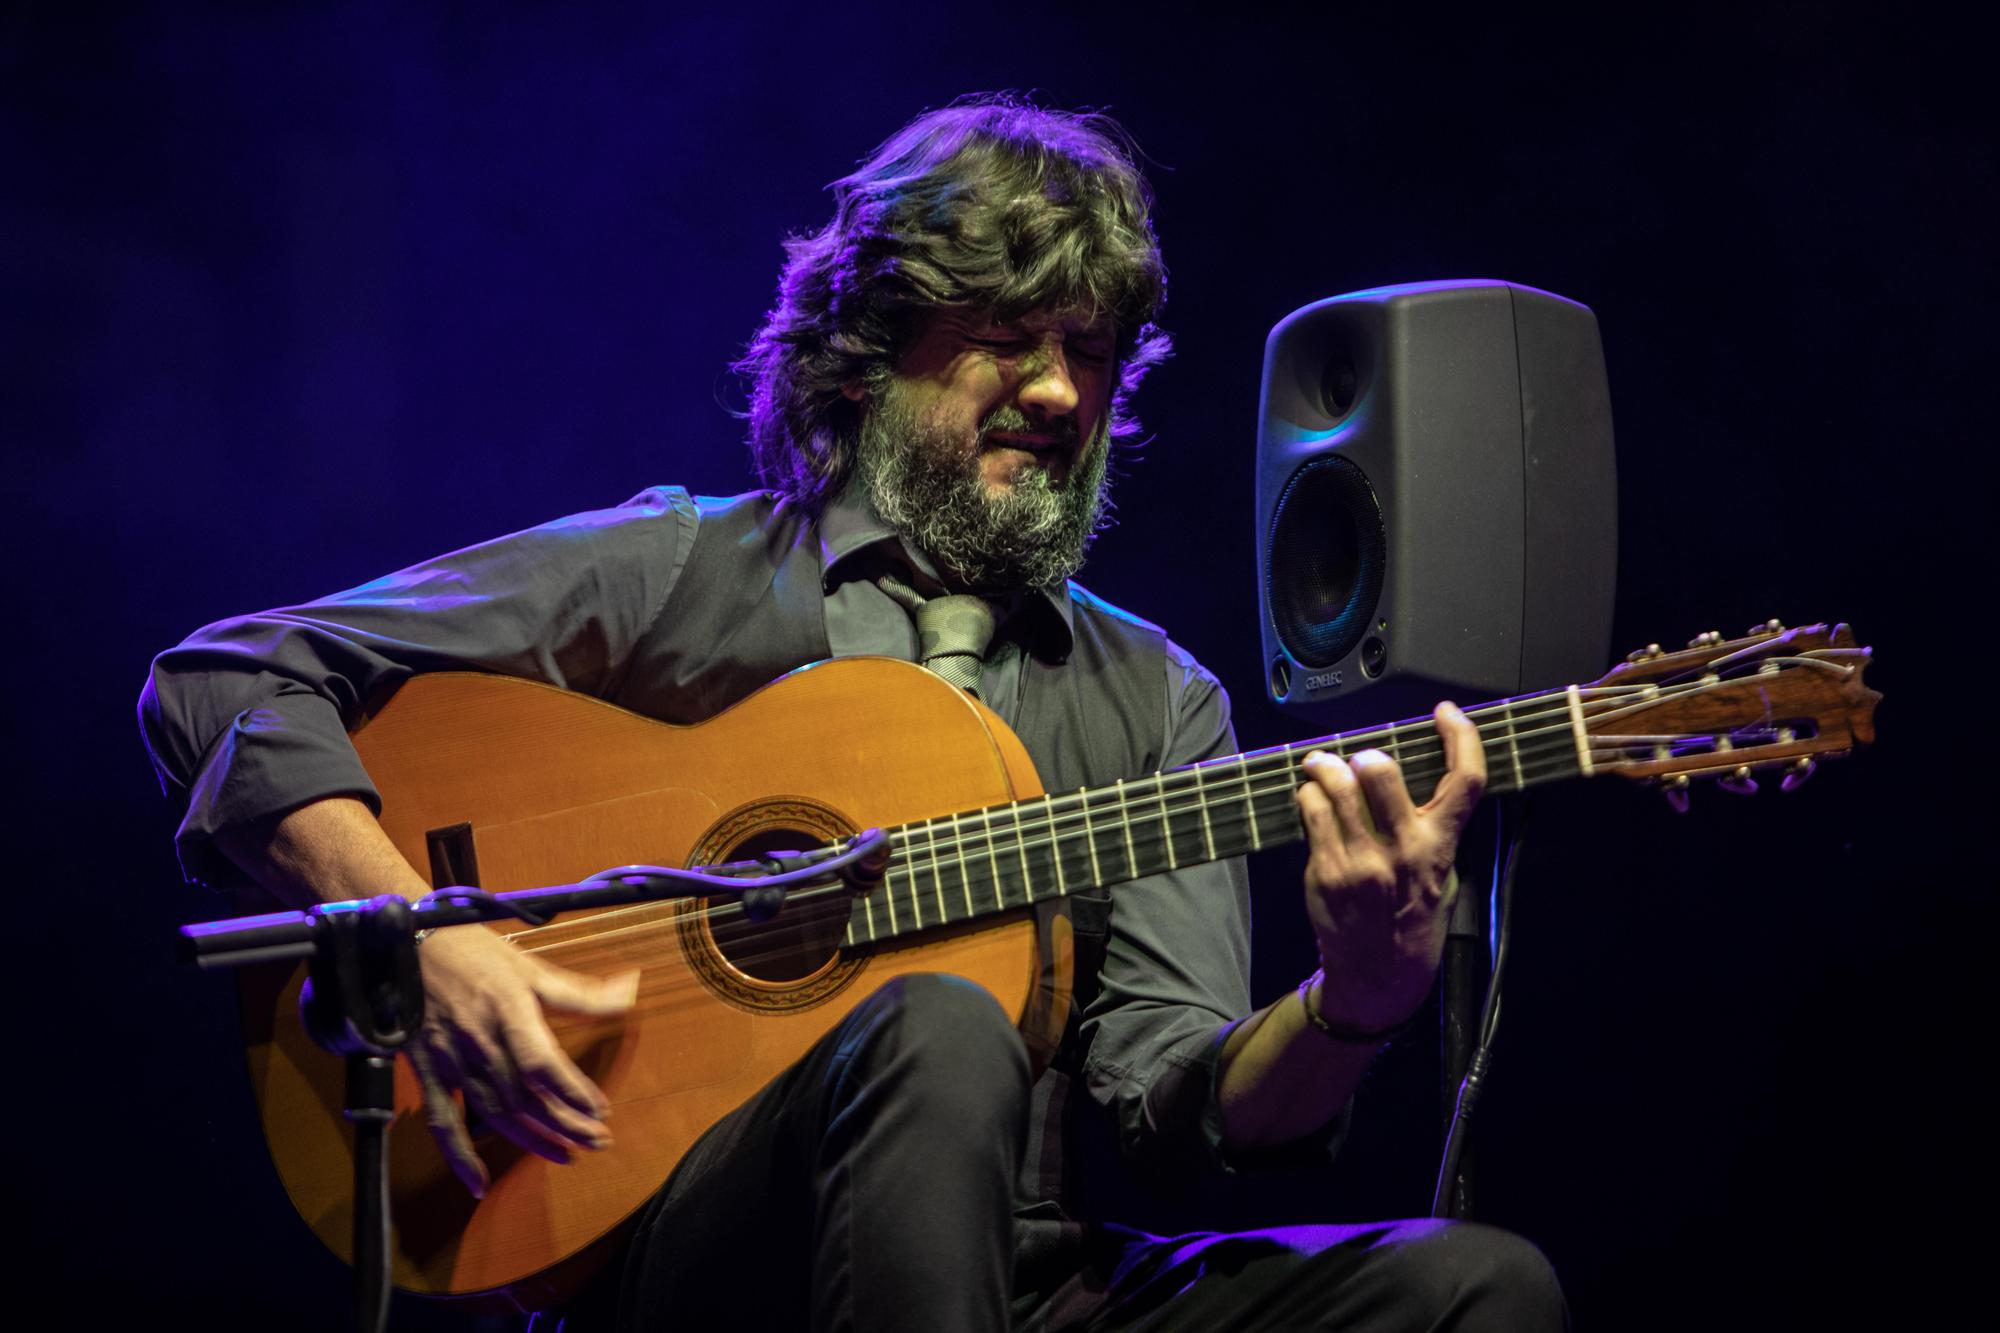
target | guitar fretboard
x=976, y=863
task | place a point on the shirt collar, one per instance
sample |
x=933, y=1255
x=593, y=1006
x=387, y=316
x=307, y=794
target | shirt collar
x=855, y=544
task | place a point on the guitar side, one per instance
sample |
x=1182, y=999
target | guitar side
x=556, y=786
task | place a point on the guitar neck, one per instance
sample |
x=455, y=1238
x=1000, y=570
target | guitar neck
x=977, y=863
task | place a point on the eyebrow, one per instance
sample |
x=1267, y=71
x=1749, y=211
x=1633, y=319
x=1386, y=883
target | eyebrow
x=986, y=326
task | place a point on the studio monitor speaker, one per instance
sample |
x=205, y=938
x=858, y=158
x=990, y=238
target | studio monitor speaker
x=1436, y=499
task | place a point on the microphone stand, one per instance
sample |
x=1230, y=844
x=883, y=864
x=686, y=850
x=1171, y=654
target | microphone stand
x=364, y=996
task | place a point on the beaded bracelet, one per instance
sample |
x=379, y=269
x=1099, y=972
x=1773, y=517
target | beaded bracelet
x=1343, y=1034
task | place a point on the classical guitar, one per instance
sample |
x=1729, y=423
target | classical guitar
x=510, y=784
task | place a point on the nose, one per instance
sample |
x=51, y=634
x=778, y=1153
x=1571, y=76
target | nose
x=1047, y=391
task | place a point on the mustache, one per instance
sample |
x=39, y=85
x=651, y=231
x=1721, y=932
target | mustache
x=1062, y=430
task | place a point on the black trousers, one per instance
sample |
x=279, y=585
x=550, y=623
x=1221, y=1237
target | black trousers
x=870, y=1187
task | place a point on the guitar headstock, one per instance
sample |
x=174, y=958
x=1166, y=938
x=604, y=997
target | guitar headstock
x=1731, y=708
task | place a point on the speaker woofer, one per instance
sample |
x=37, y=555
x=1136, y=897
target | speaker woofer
x=1326, y=538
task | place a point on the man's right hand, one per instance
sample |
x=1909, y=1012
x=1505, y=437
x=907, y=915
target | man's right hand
x=484, y=1034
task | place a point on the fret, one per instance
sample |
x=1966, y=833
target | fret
x=868, y=911
x=889, y=901
x=1089, y=836
x=1201, y=804
x=1420, y=772
x=1281, y=807
x=964, y=872
x=1125, y=822
x=1513, y=744
x=937, y=869
x=1038, y=855
x=937, y=887
x=1055, y=845
x=1166, y=821
x=1249, y=803
x=993, y=861
x=916, y=898
x=1185, y=844
x=1021, y=850
x=1282, y=796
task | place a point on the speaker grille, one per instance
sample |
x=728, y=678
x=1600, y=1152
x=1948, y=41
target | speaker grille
x=1327, y=553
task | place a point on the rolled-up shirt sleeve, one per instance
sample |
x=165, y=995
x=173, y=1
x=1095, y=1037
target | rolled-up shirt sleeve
x=248, y=718
x=1176, y=977
x=1177, y=967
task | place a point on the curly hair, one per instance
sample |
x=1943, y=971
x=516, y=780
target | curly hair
x=991, y=203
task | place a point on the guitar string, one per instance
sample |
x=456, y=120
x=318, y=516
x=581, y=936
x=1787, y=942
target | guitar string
x=1423, y=746
x=937, y=853
x=1077, y=805
x=672, y=913
x=667, y=917
x=1018, y=840
x=1058, y=803
x=1413, y=759
x=934, y=859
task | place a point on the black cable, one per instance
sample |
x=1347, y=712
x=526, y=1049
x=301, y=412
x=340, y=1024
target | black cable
x=1503, y=889
x=1470, y=1088
x=460, y=895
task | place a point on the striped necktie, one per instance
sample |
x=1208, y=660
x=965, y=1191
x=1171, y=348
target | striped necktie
x=953, y=631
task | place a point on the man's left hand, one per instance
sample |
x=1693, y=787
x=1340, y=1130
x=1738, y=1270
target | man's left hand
x=1378, y=881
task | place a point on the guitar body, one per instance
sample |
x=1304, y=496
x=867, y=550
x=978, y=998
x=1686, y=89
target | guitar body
x=557, y=786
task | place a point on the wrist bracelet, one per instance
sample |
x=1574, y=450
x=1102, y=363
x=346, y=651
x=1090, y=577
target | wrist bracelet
x=1344, y=1034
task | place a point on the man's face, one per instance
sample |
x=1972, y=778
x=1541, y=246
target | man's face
x=987, y=444
x=1025, y=394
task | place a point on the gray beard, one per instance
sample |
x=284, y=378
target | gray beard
x=925, y=484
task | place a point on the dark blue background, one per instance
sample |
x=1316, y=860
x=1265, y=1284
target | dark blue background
x=294, y=297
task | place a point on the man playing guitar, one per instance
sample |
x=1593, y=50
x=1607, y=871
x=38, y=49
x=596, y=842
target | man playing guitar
x=936, y=396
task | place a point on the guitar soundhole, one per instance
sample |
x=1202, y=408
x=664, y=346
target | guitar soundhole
x=796, y=943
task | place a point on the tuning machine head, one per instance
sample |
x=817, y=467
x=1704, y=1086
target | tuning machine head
x=1739, y=782
x=1675, y=789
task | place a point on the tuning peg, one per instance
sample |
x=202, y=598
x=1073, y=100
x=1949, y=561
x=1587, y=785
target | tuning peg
x=1706, y=639
x=1675, y=789
x=1796, y=775
x=1739, y=782
x=1772, y=626
x=1646, y=654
